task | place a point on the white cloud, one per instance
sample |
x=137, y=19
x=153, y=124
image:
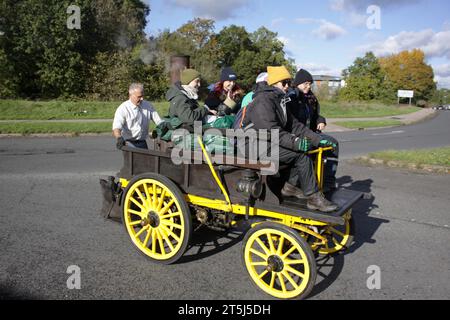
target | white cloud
x=442, y=75
x=276, y=22
x=327, y=30
x=362, y=5
x=433, y=44
x=212, y=9
x=442, y=70
x=319, y=69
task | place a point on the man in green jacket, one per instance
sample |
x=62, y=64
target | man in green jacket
x=183, y=98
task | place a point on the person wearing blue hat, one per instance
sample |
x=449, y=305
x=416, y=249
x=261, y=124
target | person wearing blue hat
x=226, y=95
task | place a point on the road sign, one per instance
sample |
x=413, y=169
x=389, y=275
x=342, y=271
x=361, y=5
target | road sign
x=405, y=93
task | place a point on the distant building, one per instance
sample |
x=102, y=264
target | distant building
x=333, y=83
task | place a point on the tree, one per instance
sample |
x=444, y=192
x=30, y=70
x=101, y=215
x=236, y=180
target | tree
x=52, y=60
x=231, y=42
x=365, y=80
x=266, y=50
x=409, y=71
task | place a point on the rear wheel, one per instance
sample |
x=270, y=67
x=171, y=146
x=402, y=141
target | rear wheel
x=157, y=218
x=279, y=261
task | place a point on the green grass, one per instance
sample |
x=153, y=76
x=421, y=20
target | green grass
x=436, y=156
x=63, y=110
x=368, y=124
x=26, y=128
x=362, y=110
x=59, y=109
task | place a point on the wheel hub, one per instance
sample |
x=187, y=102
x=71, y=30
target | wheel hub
x=275, y=264
x=153, y=219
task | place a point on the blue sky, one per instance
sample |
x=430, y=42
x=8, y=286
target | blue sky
x=325, y=36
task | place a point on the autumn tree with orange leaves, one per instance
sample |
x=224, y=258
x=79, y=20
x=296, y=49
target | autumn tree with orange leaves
x=408, y=70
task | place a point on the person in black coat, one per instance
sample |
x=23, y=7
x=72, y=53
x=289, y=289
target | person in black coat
x=270, y=112
x=305, y=107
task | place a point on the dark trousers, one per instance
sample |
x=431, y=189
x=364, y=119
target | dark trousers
x=301, y=172
x=330, y=167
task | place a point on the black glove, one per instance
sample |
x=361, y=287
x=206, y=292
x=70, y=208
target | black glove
x=120, y=142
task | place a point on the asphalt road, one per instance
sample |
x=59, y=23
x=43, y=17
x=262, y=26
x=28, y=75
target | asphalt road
x=50, y=199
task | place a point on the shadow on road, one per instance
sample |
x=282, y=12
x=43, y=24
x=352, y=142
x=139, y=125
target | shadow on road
x=330, y=267
x=207, y=242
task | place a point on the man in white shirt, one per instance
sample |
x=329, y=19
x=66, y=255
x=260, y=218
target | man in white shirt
x=132, y=119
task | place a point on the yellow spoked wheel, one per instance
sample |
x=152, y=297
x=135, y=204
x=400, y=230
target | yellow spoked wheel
x=279, y=261
x=339, y=238
x=157, y=218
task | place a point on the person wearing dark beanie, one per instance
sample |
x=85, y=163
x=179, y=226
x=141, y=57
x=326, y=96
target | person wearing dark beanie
x=302, y=76
x=226, y=95
x=305, y=107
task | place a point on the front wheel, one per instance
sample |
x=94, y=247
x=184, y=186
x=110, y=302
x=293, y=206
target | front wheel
x=279, y=261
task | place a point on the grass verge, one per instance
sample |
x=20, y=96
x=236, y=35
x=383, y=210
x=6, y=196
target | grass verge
x=26, y=128
x=435, y=156
x=363, y=110
x=368, y=124
x=64, y=110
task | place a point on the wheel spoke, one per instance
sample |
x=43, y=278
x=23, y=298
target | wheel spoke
x=155, y=196
x=259, y=254
x=171, y=215
x=147, y=238
x=296, y=272
x=170, y=233
x=137, y=213
x=287, y=276
x=137, y=235
x=280, y=246
x=161, y=201
x=160, y=241
x=171, y=224
x=167, y=207
x=147, y=193
x=271, y=245
x=283, y=285
x=292, y=249
x=166, y=238
x=259, y=263
x=263, y=246
x=337, y=232
x=272, y=280
x=144, y=202
x=154, y=241
x=291, y=262
x=137, y=203
x=135, y=223
x=263, y=274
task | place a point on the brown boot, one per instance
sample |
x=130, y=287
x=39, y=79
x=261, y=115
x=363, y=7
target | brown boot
x=292, y=191
x=317, y=201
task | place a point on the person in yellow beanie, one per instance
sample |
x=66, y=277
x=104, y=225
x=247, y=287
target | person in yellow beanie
x=270, y=113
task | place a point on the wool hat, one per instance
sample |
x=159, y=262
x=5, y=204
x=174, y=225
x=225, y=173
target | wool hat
x=228, y=75
x=188, y=75
x=302, y=76
x=261, y=77
x=277, y=74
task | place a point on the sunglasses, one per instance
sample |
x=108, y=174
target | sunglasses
x=286, y=83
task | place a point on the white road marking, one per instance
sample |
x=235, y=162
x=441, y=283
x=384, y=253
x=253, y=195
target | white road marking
x=387, y=133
